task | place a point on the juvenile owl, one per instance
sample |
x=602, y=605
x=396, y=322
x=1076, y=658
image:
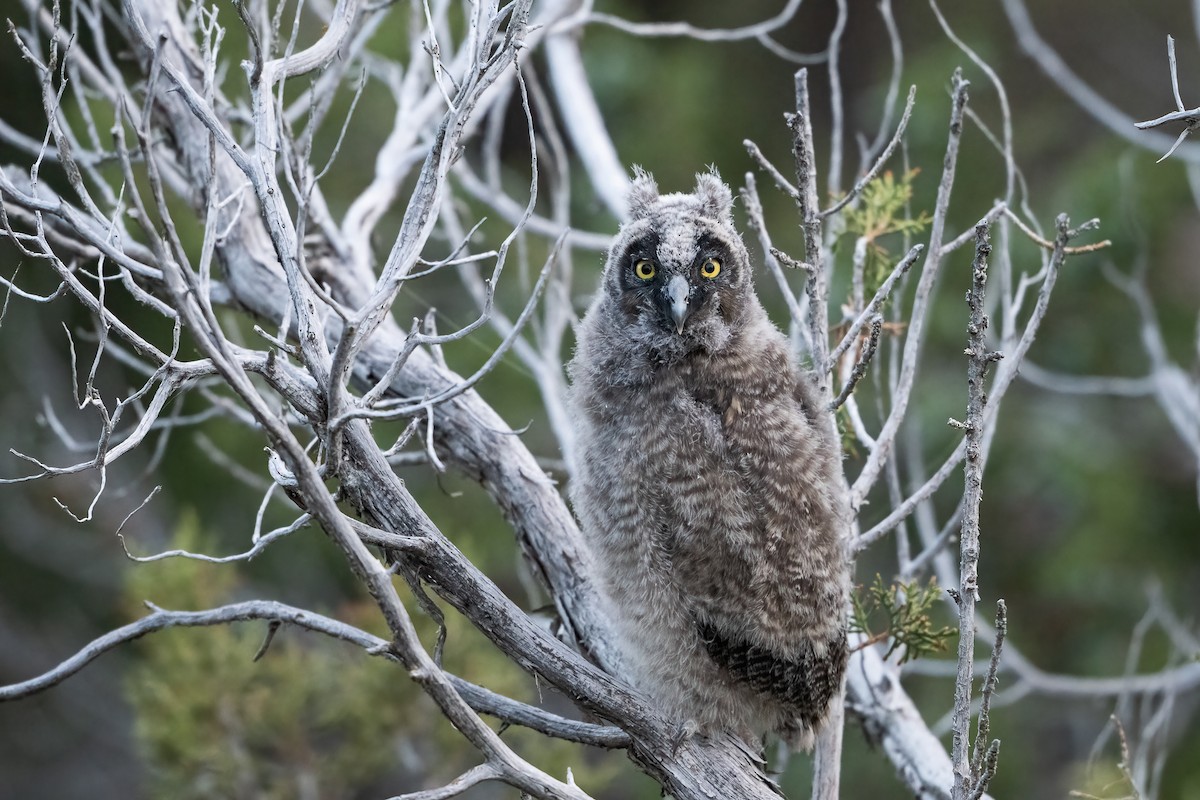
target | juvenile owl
x=707, y=479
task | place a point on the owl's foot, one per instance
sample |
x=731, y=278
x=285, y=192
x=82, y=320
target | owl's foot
x=686, y=730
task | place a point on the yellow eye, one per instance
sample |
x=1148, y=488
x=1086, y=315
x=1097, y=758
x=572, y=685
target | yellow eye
x=710, y=268
x=644, y=269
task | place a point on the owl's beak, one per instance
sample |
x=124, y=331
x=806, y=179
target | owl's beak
x=678, y=293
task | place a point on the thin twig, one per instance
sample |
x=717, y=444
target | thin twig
x=754, y=215
x=817, y=286
x=870, y=175
x=979, y=358
x=860, y=366
x=686, y=29
x=872, y=310
x=922, y=302
x=981, y=757
x=1046, y=243
x=472, y=777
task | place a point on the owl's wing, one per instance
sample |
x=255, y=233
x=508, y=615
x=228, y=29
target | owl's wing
x=806, y=395
x=804, y=676
x=803, y=682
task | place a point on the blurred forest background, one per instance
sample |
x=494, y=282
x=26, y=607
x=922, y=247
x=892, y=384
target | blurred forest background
x=1090, y=509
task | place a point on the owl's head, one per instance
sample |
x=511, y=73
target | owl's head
x=678, y=272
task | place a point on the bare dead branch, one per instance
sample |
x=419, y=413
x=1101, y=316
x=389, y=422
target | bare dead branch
x=754, y=214
x=509, y=710
x=816, y=287
x=472, y=777
x=1048, y=245
x=873, y=172
x=860, y=365
x=584, y=123
x=980, y=358
x=921, y=304
x=656, y=29
x=872, y=309
x=983, y=761
x=1083, y=95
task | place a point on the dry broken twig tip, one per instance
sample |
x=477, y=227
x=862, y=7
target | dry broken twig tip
x=1190, y=117
x=1047, y=244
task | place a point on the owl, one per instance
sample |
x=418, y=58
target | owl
x=707, y=478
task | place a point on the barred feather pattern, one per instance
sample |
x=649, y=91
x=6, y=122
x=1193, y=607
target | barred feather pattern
x=707, y=478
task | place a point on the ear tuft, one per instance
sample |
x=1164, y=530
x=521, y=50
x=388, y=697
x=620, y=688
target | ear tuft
x=716, y=199
x=643, y=193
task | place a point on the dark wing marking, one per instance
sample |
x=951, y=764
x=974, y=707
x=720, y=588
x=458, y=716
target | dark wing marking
x=802, y=681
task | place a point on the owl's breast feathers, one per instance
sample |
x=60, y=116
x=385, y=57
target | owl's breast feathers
x=769, y=592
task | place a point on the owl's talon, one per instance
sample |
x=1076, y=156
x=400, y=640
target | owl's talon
x=686, y=730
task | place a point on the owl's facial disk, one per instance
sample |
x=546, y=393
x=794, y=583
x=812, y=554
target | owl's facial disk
x=673, y=294
x=673, y=297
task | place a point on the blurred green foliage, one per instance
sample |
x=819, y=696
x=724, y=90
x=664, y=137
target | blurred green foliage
x=312, y=717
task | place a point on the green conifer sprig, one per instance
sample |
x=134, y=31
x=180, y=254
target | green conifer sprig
x=904, y=609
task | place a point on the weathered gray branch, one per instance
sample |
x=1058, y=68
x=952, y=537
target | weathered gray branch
x=979, y=357
x=479, y=698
